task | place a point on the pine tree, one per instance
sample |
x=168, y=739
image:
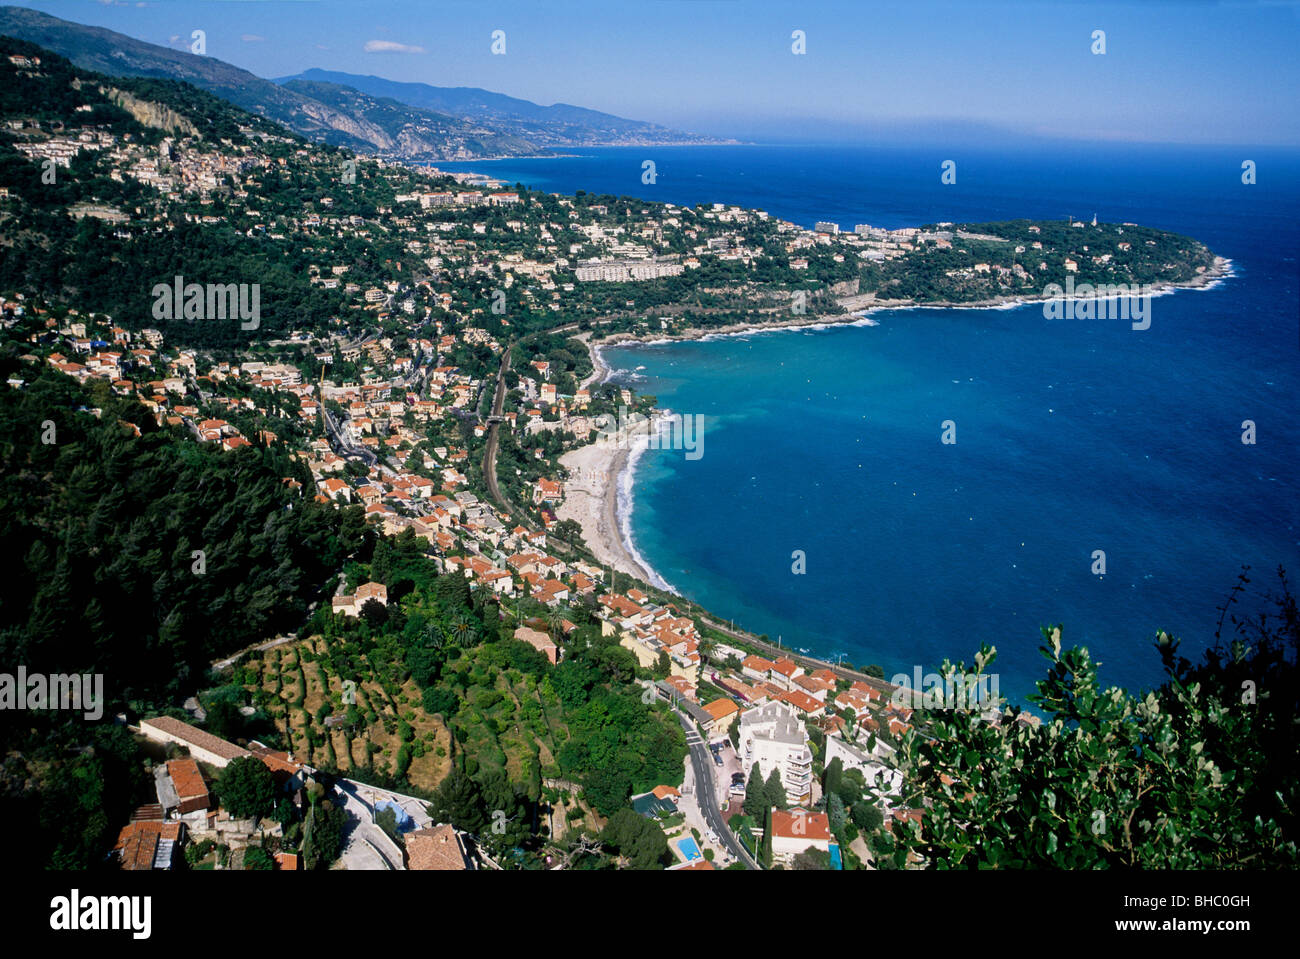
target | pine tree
x=775, y=791
x=755, y=794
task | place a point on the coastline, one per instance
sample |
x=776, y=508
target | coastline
x=599, y=490
x=599, y=370
x=860, y=314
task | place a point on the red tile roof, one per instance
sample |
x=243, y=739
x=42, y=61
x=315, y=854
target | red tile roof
x=196, y=737
x=436, y=848
x=720, y=709
x=801, y=824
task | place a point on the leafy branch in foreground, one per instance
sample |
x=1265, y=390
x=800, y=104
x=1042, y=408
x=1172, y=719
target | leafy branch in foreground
x=1198, y=773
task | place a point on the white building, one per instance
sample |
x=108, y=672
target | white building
x=774, y=737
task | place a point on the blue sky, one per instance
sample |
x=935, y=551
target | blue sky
x=1182, y=71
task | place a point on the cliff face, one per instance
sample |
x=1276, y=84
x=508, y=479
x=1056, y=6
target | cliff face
x=151, y=114
x=350, y=126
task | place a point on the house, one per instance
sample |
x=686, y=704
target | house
x=803, y=703
x=723, y=711
x=742, y=691
x=547, y=491
x=784, y=672
x=552, y=593
x=182, y=792
x=335, y=487
x=146, y=845
x=351, y=605
x=678, y=686
x=439, y=848
x=696, y=713
x=203, y=746
x=756, y=667
x=290, y=775
x=814, y=687
x=539, y=641
x=667, y=792
x=876, y=774
x=795, y=831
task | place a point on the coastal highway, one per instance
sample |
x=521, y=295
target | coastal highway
x=808, y=662
x=706, y=792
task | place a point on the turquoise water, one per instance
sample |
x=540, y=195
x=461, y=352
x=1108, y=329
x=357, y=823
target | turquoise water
x=1072, y=435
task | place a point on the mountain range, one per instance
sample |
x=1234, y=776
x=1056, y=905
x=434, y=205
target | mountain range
x=560, y=124
x=407, y=121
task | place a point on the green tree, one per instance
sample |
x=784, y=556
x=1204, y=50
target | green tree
x=765, y=854
x=386, y=819
x=831, y=776
x=835, y=812
x=607, y=789
x=756, y=799
x=775, y=790
x=374, y=613
x=507, y=811
x=641, y=842
x=438, y=699
x=866, y=816
x=246, y=788
x=255, y=857
x=663, y=666
x=457, y=800
x=323, y=834
x=811, y=858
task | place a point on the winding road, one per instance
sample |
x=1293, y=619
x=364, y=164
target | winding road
x=706, y=792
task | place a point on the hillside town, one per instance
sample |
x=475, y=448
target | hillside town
x=424, y=350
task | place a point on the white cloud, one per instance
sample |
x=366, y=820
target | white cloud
x=388, y=46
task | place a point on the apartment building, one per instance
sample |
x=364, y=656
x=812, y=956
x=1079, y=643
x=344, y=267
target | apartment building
x=774, y=737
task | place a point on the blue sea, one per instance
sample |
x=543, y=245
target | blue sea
x=1072, y=435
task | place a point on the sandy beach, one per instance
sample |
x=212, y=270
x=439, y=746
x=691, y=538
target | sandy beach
x=591, y=500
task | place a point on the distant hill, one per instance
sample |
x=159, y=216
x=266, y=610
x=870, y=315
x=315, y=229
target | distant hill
x=557, y=125
x=410, y=121
x=319, y=111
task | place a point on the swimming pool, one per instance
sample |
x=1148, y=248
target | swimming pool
x=690, y=849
